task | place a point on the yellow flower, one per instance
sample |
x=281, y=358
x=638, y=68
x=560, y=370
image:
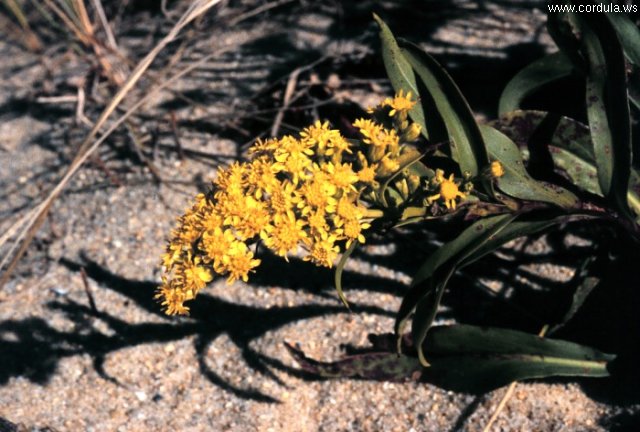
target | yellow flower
x=353, y=231
x=448, y=192
x=216, y=243
x=326, y=141
x=317, y=193
x=323, y=251
x=284, y=235
x=172, y=298
x=196, y=275
x=253, y=220
x=261, y=177
x=231, y=180
x=281, y=198
x=400, y=102
x=497, y=170
x=260, y=147
x=317, y=222
x=388, y=166
x=382, y=140
x=411, y=133
x=239, y=262
x=292, y=158
x=341, y=175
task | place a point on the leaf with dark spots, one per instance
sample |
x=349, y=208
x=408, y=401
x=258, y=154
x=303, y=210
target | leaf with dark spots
x=607, y=108
x=466, y=358
x=516, y=181
x=570, y=148
x=381, y=366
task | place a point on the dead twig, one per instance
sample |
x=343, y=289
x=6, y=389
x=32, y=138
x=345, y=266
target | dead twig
x=288, y=92
x=103, y=167
x=176, y=136
x=258, y=11
x=508, y=394
x=87, y=290
x=111, y=40
x=37, y=217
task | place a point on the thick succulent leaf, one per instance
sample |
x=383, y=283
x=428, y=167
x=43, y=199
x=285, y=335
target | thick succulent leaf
x=629, y=35
x=429, y=286
x=526, y=224
x=570, y=147
x=469, y=359
x=381, y=366
x=607, y=108
x=426, y=311
x=531, y=78
x=465, y=140
x=516, y=182
x=400, y=72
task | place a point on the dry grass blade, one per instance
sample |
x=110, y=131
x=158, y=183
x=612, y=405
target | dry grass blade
x=111, y=40
x=35, y=220
x=507, y=394
x=31, y=39
x=258, y=11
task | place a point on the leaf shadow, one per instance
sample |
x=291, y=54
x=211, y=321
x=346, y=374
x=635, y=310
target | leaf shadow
x=33, y=348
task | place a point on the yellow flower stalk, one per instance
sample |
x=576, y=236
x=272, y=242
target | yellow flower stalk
x=299, y=194
x=294, y=193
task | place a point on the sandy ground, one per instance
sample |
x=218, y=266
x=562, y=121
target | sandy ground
x=120, y=364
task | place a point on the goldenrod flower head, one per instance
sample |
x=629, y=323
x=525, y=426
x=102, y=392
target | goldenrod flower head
x=323, y=251
x=294, y=192
x=448, y=191
x=317, y=222
x=497, y=170
x=371, y=131
x=400, y=103
x=284, y=235
x=341, y=175
x=388, y=166
x=172, y=298
x=411, y=133
x=238, y=262
x=353, y=231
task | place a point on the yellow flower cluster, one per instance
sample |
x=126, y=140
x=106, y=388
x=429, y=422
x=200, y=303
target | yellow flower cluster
x=294, y=193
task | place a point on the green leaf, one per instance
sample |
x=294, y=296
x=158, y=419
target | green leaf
x=465, y=140
x=516, y=182
x=430, y=281
x=400, y=72
x=337, y=276
x=467, y=358
x=584, y=284
x=526, y=224
x=532, y=77
x=629, y=35
x=608, y=108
